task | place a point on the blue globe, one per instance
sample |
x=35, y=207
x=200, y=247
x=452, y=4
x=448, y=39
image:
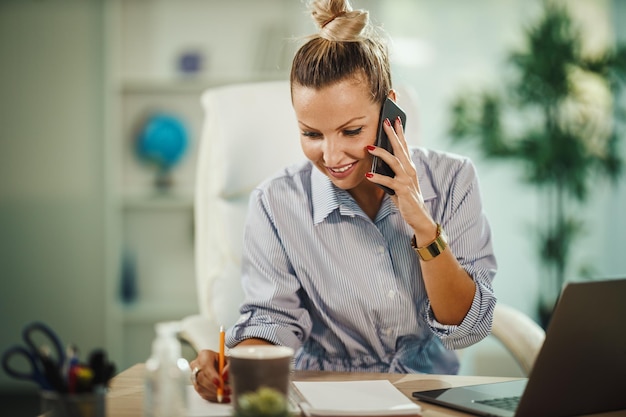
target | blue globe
x=162, y=141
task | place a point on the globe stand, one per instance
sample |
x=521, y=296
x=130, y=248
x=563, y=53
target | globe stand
x=163, y=181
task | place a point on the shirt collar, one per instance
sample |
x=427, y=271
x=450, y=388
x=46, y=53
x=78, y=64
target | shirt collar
x=323, y=195
x=328, y=198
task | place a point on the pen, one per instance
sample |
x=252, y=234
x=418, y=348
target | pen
x=220, y=388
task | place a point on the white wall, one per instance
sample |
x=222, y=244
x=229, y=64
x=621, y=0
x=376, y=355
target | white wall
x=51, y=176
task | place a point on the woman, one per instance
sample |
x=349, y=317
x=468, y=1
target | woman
x=352, y=278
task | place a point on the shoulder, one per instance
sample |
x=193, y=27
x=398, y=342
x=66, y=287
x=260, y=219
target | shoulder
x=287, y=176
x=290, y=182
x=284, y=197
x=440, y=160
x=440, y=166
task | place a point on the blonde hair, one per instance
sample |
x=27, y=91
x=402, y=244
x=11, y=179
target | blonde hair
x=347, y=45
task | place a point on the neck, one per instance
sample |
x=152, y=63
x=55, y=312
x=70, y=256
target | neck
x=368, y=196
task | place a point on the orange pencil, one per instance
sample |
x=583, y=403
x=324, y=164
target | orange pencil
x=220, y=388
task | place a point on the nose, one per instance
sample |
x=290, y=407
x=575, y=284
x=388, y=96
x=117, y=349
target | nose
x=333, y=151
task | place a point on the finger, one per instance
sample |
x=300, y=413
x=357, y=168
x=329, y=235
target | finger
x=405, y=180
x=207, y=388
x=205, y=376
x=400, y=166
x=380, y=179
x=226, y=391
x=395, y=133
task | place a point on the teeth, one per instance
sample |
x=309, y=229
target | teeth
x=344, y=169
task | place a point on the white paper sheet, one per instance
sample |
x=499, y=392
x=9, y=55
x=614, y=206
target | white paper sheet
x=354, y=398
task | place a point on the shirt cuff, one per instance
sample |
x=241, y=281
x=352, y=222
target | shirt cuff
x=472, y=329
x=443, y=330
x=246, y=328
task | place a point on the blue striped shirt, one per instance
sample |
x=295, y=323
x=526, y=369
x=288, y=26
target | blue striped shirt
x=347, y=292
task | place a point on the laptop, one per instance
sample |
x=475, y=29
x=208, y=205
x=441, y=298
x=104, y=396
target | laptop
x=580, y=369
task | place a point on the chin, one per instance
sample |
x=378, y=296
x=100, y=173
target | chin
x=347, y=185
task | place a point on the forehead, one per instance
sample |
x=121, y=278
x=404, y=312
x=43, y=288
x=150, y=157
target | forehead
x=341, y=100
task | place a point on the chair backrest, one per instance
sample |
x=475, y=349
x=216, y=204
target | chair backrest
x=250, y=132
x=519, y=334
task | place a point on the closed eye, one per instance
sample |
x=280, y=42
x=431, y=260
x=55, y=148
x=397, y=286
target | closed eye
x=352, y=132
x=311, y=134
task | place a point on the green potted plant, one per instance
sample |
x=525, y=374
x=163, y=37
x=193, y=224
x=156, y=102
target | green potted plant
x=264, y=402
x=569, y=136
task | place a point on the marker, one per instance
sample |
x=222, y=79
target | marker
x=71, y=360
x=220, y=388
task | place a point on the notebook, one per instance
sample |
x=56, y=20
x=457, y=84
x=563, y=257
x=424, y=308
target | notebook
x=354, y=398
x=580, y=369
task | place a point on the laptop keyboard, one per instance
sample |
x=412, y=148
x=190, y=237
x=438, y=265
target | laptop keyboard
x=505, y=403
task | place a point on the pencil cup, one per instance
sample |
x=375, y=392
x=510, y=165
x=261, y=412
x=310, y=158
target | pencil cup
x=253, y=367
x=54, y=404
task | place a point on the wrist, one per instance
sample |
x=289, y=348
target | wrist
x=433, y=248
x=425, y=233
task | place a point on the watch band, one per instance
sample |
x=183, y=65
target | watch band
x=434, y=248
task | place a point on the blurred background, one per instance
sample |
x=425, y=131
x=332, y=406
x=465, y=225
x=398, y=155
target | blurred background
x=96, y=237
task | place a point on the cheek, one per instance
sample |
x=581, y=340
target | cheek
x=311, y=149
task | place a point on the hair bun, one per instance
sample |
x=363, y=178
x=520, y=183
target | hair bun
x=337, y=21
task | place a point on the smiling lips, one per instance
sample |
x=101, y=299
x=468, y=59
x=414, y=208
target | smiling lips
x=341, y=172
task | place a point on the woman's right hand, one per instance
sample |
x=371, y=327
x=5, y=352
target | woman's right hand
x=206, y=378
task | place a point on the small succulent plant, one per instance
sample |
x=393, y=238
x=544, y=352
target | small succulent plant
x=265, y=402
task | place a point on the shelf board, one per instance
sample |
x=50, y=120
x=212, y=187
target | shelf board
x=188, y=85
x=143, y=86
x=146, y=313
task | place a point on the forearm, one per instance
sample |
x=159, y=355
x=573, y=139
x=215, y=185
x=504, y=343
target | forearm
x=449, y=287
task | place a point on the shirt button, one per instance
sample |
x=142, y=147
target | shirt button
x=381, y=250
x=391, y=294
x=389, y=331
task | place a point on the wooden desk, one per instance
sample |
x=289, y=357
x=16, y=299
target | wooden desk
x=125, y=398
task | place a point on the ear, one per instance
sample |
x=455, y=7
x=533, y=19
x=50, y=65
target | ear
x=392, y=94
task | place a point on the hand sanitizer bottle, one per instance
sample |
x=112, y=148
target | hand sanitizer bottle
x=167, y=375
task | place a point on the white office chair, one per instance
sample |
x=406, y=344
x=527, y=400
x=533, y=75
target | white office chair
x=519, y=334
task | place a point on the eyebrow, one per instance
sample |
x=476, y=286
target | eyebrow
x=354, y=119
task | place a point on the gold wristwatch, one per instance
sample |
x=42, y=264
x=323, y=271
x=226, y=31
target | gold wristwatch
x=434, y=248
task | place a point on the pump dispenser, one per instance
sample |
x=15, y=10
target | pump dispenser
x=167, y=374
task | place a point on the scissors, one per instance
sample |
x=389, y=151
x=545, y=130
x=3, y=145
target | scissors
x=45, y=369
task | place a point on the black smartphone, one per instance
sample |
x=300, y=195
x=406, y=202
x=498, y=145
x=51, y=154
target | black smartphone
x=391, y=111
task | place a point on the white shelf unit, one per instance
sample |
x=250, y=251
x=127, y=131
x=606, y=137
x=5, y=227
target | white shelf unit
x=240, y=41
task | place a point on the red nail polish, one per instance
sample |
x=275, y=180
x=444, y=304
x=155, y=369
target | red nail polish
x=370, y=147
x=387, y=122
x=369, y=175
